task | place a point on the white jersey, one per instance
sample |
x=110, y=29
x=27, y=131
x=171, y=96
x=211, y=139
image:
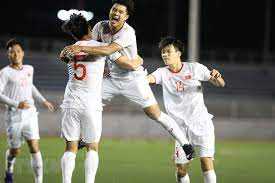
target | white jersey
x=17, y=85
x=183, y=97
x=84, y=87
x=126, y=38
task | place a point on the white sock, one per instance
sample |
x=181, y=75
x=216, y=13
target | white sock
x=209, y=176
x=184, y=179
x=37, y=166
x=173, y=128
x=67, y=166
x=91, y=164
x=10, y=161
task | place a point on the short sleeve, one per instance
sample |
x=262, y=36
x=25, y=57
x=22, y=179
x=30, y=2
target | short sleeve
x=157, y=75
x=125, y=38
x=95, y=32
x=201, y=72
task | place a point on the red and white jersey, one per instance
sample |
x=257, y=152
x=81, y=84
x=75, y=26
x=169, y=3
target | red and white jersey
x=126, y=38
x=84, y=87
x=17, y=85
x=183, y=96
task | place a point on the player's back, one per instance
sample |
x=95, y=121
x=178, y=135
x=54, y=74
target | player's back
x=84, y=86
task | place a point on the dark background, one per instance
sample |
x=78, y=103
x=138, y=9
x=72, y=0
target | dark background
x=234, y=25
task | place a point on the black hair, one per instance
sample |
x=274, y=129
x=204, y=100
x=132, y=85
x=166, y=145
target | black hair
x=171, y=41
x=130, y=5
x=77, y=26
x=12, y=42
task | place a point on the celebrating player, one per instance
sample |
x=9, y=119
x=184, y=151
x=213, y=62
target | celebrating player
x=183, y=100
x=17, y=92
x=82, y=106
x=130, y=83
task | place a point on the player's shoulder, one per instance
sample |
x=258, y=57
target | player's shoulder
x=4, y=69
x=102, y=25
x=128, y=28
x=27, y=66
x=193, y=64
x=162, y=69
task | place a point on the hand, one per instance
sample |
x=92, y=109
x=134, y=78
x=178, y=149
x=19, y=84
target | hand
x=73, y=49
x=49, y=105
x=23, y=105
x=138, y=62
x=215, y=73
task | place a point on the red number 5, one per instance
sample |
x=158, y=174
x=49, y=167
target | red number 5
x=84, y=71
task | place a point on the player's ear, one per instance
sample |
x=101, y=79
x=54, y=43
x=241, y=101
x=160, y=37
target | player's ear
x=127, y=17
x=179, y=53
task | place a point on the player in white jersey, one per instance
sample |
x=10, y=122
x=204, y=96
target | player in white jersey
x=82, y=106
x=183, y=100
x=128, y=82
x=17, y=92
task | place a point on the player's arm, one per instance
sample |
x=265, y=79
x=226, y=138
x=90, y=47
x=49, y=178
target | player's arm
x=96, y=51
x=151, y=79
x=38, y=96
x=216, y=78
x=131, y=64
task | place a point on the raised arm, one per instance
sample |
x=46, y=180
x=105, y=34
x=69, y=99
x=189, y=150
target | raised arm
x=216, y=78
x=96, y=51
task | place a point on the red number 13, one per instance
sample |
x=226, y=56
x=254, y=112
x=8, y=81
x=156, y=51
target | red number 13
x=84, y=71
x=179, y=86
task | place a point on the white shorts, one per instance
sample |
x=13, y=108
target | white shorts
x=136, y=90
x=204, y=146
x=21, y=124
x=77, y=123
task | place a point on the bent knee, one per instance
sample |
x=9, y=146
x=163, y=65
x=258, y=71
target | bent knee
x=15, y=152
x=181, y=170
x=153, y=112
x=92, y=146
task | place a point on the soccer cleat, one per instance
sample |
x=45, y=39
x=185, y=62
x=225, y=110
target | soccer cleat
x=9, y=177
x=189, y=151
x=81, y=144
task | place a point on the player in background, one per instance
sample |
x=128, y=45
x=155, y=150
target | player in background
x=183, y=100
x=82, y=104
x=17, y=92
x=130, y=83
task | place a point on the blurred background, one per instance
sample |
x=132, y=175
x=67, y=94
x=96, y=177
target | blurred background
x=235, y=37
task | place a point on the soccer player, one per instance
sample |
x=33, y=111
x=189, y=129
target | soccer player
x=17, y=92
x=82, y=106
x=183, y=100
x=130, y=83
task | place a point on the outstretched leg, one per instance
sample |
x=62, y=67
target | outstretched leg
x=171, y=126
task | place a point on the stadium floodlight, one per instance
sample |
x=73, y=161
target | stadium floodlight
x=64, y=15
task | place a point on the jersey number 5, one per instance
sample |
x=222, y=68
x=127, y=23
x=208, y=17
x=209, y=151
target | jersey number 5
x=84, y=71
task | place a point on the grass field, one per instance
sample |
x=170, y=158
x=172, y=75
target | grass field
x=144, y=161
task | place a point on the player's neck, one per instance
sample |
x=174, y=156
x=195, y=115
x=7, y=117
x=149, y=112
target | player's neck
x=17, y=66
x=114, y=30
x=176, y=67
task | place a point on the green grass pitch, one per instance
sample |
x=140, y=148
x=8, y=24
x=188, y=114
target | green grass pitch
x=144, y=161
